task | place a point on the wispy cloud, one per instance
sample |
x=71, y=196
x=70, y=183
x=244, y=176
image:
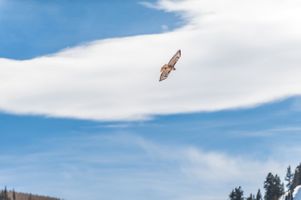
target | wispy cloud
x=268, y=132
x=242, y=54
x=128, y=166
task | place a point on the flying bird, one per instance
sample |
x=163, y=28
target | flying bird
x=167, y=68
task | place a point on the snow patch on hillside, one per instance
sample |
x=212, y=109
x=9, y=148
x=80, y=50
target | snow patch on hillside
x=297, y=193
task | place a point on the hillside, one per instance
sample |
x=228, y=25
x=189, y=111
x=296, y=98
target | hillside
x=297, y=193
x=26, y=196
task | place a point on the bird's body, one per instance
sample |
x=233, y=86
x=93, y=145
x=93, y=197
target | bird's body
x=167, y=68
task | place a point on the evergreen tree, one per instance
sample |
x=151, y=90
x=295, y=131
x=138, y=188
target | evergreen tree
x=236, y=194
x=268, y=186
x=297, y=177
x=14, y=195
x=5, y=194
x=251, y=197
x=289, y=196
x=258, y=195
x=289, y=178
x=279, y=186
x=273, y=186
x=2, y=195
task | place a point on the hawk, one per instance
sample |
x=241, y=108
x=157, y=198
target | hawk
x=167, y=68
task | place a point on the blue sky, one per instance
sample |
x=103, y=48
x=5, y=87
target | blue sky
x=37, y=28
x=78, y=121
x=123, y=159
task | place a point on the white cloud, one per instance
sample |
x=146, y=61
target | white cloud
x=281, y=130
x=127, y=166
x=214, y=172
x=229, y=170
x=235, y=53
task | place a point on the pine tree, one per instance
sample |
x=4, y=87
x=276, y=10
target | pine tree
x=236, y=194
x=289, y=178
x=289, y=196
x=297, y=177
x=273, y=186
x=258, y=195
x=279, y=187
x=251, y=197
x=14, y=195
x=5, y=194
x=289, y=185
x=268, y=186
x=1, y=195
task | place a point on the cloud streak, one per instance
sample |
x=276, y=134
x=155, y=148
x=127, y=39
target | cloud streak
x=127, y=166
x=235, y=54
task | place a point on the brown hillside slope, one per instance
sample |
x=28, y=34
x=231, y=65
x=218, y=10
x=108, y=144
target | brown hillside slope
x=26, y=196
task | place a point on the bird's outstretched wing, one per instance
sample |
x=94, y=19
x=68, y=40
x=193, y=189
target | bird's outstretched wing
x=164, y=75
x=167, y=68
x=174, y=59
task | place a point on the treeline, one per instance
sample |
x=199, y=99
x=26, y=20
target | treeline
x=12, y=195
x=273, y=187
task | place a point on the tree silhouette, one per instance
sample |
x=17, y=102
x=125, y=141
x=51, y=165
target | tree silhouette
x=273, y=186
x=258, y=195
x=236, y=194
